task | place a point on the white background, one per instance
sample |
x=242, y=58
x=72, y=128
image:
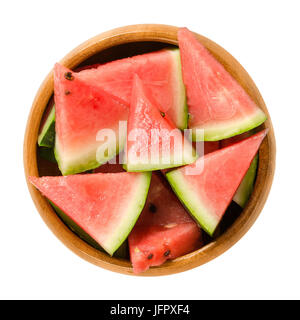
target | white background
x=263, y=36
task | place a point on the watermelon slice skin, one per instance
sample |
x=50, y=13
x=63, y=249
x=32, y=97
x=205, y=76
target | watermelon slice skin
x=164, y=229
x=146, y=115
x=159, y=70
x=245, y=189
x=106, y=206
x=46, y=137
x=217, y=103
x=208, y=193
x=81, y=111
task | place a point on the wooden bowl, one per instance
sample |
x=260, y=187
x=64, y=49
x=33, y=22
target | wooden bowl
x=120, y=43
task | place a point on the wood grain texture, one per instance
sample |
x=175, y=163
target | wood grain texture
x=107, y=45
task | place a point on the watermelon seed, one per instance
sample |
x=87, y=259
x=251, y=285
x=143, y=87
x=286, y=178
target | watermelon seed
x=150, y=256
x=167, y=253
x=152, y=208
x=163, y=114
x=67, y=92
x=69, y=76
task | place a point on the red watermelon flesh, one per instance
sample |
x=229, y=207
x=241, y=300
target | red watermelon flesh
x=217, y=103
x=164, y=230
x=161, y=73
x=105, y=205
x=81, y=111
x=153, y=142
x=207, y=194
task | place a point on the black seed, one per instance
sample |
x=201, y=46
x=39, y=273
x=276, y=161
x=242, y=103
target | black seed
x=189, y=115
x=150, y=256
x=163, y=114
x=69, y=76
x=167, y=253
x=152, y=208
x=67, y=92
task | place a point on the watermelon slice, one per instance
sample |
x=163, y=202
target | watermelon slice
x=105, y=205
x=153, y=142
x=207, y=194
x=217, y=103
x=161, y=73
x=246, y=187
x=46, y=136
x=81, y=112
x=163, y=231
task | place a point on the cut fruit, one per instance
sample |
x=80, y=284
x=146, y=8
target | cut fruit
x=164, y=230
x=47, y=134
x=161, y=73
x=153, y=142
x=207, y=186
x=105, y=205
x=87, y=123
x=217, y=103
x=47, y=131
x=246, y=187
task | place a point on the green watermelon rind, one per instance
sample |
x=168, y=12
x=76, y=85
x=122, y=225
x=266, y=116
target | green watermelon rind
x=246, y=187
x=182, y=109
x=89, y=163
x=47, y=136
x=140, y=167
x=74, y=227
x=229, y=130
x=208, y=221
x=135, y=209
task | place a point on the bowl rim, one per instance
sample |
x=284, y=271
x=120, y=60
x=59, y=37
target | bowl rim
x=267, y=154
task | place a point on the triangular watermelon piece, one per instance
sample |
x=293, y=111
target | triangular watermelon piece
x=47, y=129
x=164, y=229
x=105, y=205
x=81, y=111
x=161, y=73
x=153, y=142
x=217, y=103
x=207, y=186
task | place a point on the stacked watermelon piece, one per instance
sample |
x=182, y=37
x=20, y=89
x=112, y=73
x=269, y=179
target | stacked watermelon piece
x=152, y=150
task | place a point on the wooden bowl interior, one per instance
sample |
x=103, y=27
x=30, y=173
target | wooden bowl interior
x=235, y=222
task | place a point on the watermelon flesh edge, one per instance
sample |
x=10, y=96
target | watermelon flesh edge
x=217, y=102
x=80, y=115
x=161, y=72
x=145, y=115
x=47, y=135
x=207, y=194
x=105, y=215
x=164, y=229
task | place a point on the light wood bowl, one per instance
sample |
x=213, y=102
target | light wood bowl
x=120, y=43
